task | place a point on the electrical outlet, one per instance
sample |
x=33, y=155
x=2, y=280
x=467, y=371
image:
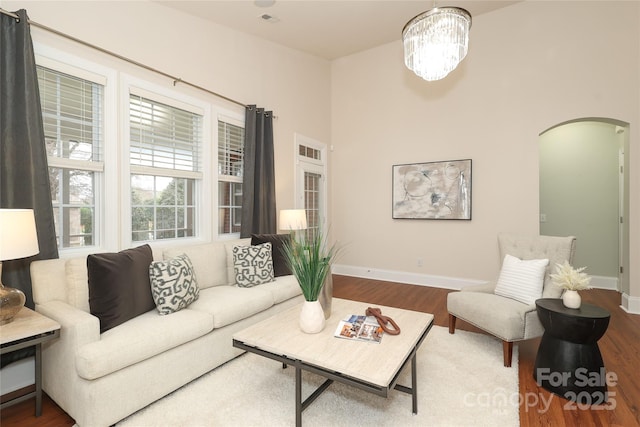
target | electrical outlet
x=543, y=217
x=420, y=262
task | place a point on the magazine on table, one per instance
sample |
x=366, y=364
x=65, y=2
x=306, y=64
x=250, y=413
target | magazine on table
x=360, y=328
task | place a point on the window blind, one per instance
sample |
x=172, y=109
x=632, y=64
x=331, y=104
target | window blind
x=164, y=137
x=230, y=149
x=72, y=116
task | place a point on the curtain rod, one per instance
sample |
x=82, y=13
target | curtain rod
x=176, y=80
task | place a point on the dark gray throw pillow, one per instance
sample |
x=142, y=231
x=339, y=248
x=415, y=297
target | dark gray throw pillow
x=280, y=266
x=119, y=286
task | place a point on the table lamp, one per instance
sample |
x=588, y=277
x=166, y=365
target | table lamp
x=292, y=219
x=18, y=239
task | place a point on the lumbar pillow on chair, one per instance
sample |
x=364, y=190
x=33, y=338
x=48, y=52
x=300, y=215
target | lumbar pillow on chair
x=521, y=280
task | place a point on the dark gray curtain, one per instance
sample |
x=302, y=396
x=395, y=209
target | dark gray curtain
x=258, y=187
x=24, y=177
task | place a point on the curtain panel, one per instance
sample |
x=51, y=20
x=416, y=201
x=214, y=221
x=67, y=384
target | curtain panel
x=258, y=187
x=24, y=177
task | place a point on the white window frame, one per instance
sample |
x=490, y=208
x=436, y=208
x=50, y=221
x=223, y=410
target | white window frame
x=305, y=164
x=105, y=171
x=236, y=120
x=113, y=184
x=203, y=218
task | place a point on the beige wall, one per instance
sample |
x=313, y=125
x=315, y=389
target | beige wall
x=530, y=66
x=296, y=86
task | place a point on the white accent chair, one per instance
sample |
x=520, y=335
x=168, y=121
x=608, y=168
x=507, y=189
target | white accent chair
x=506, y=318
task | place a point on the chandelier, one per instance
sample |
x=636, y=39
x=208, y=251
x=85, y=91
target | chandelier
x=436, y=41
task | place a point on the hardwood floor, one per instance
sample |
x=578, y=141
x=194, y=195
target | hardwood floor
x=620, y=349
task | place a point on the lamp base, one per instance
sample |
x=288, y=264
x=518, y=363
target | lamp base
x=11, y=301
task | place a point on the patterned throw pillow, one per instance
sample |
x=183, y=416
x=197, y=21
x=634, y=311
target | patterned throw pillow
x=253, y=265
x=173, y=284
x=278, y=241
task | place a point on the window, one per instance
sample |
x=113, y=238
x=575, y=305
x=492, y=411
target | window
x=72, y=111
x=313, y=201
x=311, y=187
x=309, y=152
x=132, y=160
x=230, y=164
x=165, y=159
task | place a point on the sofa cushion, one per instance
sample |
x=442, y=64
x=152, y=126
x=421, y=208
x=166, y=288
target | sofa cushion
x=253, y=265
x=283, y=288
x=209, y=261
x=521, y=280
x=278, y=241
x=173, y=284
x=77, y=283
x=230, y=304
x=119, y=287
x=139, y=339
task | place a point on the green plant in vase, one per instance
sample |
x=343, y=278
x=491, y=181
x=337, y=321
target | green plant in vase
x=309, y=257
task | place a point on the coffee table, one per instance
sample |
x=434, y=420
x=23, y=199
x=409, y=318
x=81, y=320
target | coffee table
x=372, y=367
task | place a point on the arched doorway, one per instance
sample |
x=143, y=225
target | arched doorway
x=584, y=192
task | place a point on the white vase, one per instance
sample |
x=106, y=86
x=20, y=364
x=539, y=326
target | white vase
x=311, y=317
x=326, y=295
x=571, y=299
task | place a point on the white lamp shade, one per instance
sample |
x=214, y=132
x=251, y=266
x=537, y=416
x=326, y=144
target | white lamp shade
x=292, y=219
x=18, y=237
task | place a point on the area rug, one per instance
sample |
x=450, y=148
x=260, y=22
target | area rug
x=461, y=382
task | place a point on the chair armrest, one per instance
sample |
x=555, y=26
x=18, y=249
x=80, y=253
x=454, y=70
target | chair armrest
x=487, y=288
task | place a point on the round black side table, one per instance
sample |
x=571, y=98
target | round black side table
x=569, y=362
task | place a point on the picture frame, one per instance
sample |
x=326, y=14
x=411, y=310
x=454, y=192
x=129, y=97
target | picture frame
x=432, y=190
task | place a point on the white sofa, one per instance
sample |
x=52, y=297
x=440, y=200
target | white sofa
x=99, y=379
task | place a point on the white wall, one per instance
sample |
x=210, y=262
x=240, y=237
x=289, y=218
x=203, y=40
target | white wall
x=296, y=86
x=530, y=66
x=579, y=192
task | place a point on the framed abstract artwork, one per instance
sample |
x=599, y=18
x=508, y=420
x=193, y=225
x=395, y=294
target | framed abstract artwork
x=434, y=190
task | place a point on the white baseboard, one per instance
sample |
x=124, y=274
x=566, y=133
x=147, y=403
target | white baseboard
x=599, y=282
x=630, y=304
x=604, y=282
x=17, y=375
x=405, y=277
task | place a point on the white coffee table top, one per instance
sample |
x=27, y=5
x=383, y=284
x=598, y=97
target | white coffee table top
x=371, y=362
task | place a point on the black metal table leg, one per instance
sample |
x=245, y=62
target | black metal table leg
x=38, y=379
x=414, y=382
x=298, y=395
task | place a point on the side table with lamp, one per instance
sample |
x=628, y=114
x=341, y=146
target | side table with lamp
x=21, y=327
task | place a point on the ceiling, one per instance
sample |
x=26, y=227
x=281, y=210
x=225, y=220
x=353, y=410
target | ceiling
x=328, y=29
